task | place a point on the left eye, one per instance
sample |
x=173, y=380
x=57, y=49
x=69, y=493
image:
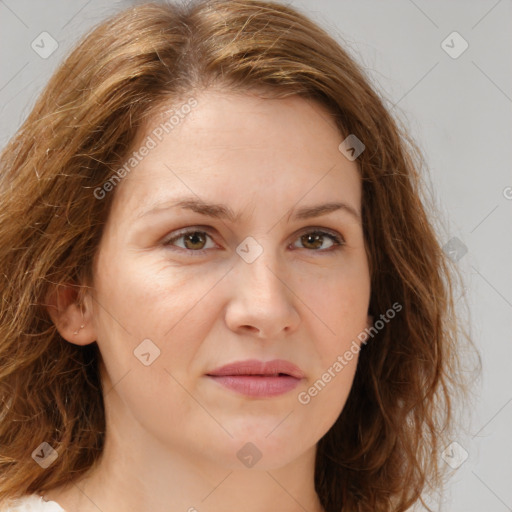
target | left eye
x=195, y=240
x=316, y=238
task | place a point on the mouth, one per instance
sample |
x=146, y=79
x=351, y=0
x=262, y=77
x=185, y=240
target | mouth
x=258, y=378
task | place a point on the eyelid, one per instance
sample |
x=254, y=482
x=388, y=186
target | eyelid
x=327, y=231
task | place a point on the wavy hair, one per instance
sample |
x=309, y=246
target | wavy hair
x=383, y=451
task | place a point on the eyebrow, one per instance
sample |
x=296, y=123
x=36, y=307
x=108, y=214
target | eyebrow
x=220, y=211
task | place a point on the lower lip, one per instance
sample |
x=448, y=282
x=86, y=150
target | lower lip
x=252, y=385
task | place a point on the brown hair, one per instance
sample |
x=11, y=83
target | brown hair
x=383, y=450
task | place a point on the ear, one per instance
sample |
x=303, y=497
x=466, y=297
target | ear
x=72, y=319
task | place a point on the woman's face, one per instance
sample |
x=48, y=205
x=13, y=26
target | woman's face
x=169, y=309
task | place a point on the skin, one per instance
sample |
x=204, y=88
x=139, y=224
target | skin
x=172, y=433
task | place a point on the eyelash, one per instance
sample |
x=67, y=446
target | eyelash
x=338, y=240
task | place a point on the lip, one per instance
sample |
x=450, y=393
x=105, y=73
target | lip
x=258, y=378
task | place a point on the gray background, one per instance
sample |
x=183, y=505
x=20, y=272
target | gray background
x=459, y=112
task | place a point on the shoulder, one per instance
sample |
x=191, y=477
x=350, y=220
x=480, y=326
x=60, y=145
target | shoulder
x=32, y=503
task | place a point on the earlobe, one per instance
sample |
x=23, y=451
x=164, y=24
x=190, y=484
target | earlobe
x=71, y=318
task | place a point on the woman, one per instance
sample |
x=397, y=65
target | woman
x=221, y=286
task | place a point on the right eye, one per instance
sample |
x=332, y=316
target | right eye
x=193, y=240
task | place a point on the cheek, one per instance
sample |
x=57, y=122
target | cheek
x=325, y=396
x=339, y=307
x=146, y=309
x=158, y=400
x=145, y=298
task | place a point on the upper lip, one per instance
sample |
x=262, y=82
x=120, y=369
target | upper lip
x=256, y=367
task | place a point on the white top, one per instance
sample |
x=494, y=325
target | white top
x=33, y=503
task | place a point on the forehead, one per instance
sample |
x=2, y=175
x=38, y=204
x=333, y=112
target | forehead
x=242, y=148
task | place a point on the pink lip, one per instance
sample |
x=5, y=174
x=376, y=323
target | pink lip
x=258, y=378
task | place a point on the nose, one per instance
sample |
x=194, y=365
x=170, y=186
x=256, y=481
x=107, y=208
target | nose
x=263, y=302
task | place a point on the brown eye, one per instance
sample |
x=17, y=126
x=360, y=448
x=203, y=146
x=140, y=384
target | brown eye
x=193, y=240
x=314, y=240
